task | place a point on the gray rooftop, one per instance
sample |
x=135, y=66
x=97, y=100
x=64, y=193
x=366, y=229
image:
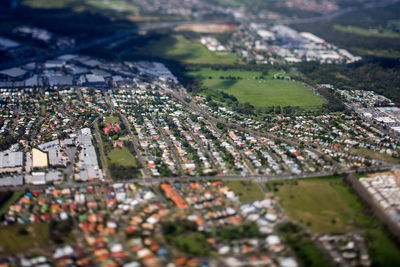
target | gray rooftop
x=12, y=181
x=13, y=72
x=11, y=159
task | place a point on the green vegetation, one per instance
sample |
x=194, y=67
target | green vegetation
x=117, y=5
x=367, y=32
x=122, y=162
x=184, y=50
x=7, y=199
x=324, y=205
x=247, y=230
x=350, y=31
x=248, y=191
x=375, y=155
x=72, y=18
x=122, y=157
x=304, y=249
x=61, y=231
x=381, y=75
x=184, y=236
x=193, y=243
x=112, y=119
x=327, y=205
x=17, y=238
x=247, y=86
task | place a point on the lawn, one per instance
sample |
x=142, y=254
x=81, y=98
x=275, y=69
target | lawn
x=122, y=157
x=112, y=119
x=316, y=202
x=324, y=205
x=17, y=238
x=246, y=86
x=247, y=191
x=188, y=51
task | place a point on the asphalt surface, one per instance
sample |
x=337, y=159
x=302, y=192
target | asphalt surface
x=155, y=181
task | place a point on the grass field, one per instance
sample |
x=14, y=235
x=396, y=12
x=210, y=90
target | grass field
x=17, y=238
x=366, y=32
x=187, y=51
x=317, y=202
x=247, y=191
x=122, y=157
x=112, y=120
x=259, y=92
x=116, y=5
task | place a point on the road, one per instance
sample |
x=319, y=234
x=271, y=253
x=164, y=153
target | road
x=255, y=178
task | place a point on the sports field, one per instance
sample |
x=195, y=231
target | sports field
x=247, y=86
x=122, y=157
x=326, y=205
x=188, y=51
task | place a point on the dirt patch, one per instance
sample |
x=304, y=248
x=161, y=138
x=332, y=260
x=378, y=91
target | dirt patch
x=206, y=28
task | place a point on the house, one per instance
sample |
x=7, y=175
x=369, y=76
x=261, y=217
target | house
x=110, y=126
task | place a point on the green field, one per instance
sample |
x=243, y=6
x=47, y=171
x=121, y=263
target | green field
x=246, y=86
x=17, y=238
x=122, y=157
x=366, y=32
x=317, y=202
x=187, y=51
x=326, y=205
x=112, y=120
x=247, y=191
x=115, y=5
